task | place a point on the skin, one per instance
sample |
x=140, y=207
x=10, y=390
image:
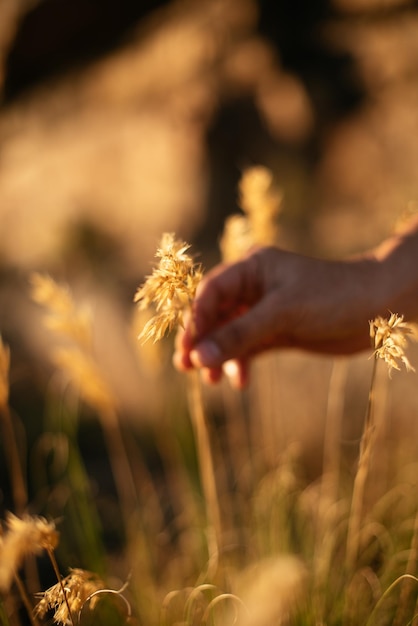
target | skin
x=277, y=299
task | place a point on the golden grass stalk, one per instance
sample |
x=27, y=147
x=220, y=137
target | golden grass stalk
x=25, y=600
x=95, y=596
x=23, y=537
x=261, y=204
x=11, y=448
x=76, y=360
x=207, y=471
x=328, y=510
x=68, y=596
x=64, y=590
x=241, y=232
x=237, y=238
x=62, y=314
x=171, y=289
x=408, y=583
x=390, y=339
x=365, y=454
x=388, y=591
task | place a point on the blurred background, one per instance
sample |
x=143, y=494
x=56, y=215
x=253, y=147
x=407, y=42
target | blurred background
x=122, y=120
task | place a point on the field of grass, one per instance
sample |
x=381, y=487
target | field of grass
x=214, y=514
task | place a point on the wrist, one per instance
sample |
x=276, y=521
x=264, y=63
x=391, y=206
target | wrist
x=397, y=259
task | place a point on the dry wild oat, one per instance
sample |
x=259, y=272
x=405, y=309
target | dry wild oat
x=73, y=323
x=46, y=292
x=63, y=315
x=78, y=586
x=84, y=373
x=237, y=237
x=390, y=338
x=261, y=203
x=170, y=288
x=23, y=536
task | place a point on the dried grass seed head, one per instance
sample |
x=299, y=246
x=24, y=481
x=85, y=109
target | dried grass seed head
x=63, y=315
x=46, y=292
x=24, y=536
x=170, y=288
x=390, y=338
x=237, y=237
x=257, y=193
x=73, y=323
x=261, y=203
x=84, y=374
x=77, y=586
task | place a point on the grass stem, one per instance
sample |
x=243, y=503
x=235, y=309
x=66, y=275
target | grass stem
x=366, y=447
x=11, y=451
x=207, y=473
x=59, y=579
x=25, y=600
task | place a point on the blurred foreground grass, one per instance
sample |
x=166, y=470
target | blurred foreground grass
x=100, y=441
x=213, y=513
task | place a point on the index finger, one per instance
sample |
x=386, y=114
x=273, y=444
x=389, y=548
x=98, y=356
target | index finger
x=224, y=293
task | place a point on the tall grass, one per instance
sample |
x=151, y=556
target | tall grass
x=230, y=529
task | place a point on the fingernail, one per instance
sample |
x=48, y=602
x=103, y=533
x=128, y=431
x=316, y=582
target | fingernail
x=232, y=371
x=206, y=354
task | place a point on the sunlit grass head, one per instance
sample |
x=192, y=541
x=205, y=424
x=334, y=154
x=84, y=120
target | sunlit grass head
x=261, y=203
x=66, y=598
x=390, y=338
x=170, y=288
x=23, y=536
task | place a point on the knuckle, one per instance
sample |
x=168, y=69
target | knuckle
x=234, y=340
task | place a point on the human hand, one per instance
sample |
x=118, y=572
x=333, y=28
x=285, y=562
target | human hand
x=276, y=299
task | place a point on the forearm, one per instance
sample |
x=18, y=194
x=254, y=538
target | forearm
x=398, y=259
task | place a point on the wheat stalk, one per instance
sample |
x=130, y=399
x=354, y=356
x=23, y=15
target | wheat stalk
x=11, y=449
x=390, y=339
x=76, y=360
x=261, y=204
x=24, y=536
x=68, y=596
x=207, y=471
x=171, y=289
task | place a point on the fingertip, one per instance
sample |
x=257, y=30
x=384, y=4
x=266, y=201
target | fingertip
x=211, y=376
x=181, y=361
x=237, y=373
x=206, y=354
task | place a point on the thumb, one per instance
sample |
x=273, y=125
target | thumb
x=241, y=337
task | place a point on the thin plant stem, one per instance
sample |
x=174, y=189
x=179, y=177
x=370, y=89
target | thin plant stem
x=406, y=589
x=11, y=451
x=25, y=599
x=335, y=409
x=366, y=447
x=395, y=583
x=221, y=599
x=119, y=461
x=207, y=472
x=59, y=578
x=330, y=480
x=4, y=619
